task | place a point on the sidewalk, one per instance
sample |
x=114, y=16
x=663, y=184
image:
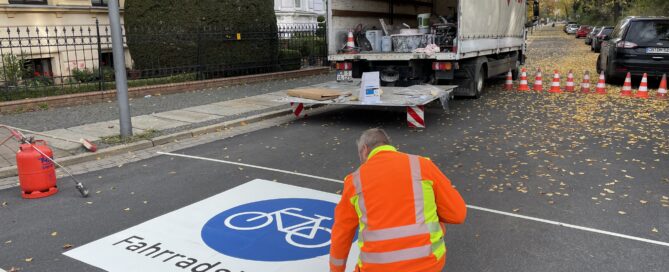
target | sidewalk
x=159, y=125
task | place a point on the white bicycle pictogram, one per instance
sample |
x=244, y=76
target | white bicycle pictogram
x=308, y=229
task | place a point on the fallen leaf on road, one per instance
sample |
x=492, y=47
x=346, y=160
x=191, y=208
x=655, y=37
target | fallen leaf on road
x=643, y=201
x=14, y=269
x=655, y=230
x=89, y=202
x=172, y=173
x=8, y=242
x=29, y=260
x=622, y=213
x=665, y=197
x=609, y=191
x=55, y=233
x=66, y=246
x=127, y=209
x=4, y=204
x=145, y=201
x=516, y=210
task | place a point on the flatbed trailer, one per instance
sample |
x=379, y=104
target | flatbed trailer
x=413, y=98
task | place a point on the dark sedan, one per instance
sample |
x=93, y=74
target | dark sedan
x=597, y=39
x=637, y=45
x=595, y=30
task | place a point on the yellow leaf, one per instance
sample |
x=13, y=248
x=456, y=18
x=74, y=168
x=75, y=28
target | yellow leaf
x=54, y=233
x=643, y=201
x=622, y=213
x=126, y=209
x=29, y=260
x=516, y=210
x=655, y=230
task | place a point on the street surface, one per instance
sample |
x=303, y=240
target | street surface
x=595, y=162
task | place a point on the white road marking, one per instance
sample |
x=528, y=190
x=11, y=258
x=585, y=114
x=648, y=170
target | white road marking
x=250, y=166
x=530, y=218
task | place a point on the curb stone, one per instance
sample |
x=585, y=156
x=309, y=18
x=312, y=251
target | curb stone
x=161, y=140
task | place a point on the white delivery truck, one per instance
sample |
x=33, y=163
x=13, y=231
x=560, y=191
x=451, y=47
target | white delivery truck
x=476, y=39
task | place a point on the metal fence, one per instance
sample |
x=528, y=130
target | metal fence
x=37, y=61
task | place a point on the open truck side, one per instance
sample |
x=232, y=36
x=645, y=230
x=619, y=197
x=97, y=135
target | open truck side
x=477, y=40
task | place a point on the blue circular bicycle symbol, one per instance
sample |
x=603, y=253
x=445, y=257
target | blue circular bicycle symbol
x=287, y=229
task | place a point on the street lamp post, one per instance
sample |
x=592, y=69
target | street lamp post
x=119, y=69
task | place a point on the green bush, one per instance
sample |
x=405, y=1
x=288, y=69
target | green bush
x=289, y=59
x=307, y=46
x=12, y=69
x=184, y=33
x=83, y=75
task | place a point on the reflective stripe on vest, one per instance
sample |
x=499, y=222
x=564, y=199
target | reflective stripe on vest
x=433, y=228
x=337, y=262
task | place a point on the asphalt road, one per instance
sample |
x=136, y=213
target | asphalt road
x=487, y=154
x=592, y=161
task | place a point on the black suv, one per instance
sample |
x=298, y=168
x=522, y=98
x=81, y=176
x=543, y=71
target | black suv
x=637, y=45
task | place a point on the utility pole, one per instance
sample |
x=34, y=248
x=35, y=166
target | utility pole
x=119, y=68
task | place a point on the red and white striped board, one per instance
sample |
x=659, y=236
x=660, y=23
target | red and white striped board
x=416, y=116
x=298, y=109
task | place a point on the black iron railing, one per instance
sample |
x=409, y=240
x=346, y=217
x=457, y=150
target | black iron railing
x=37, y=61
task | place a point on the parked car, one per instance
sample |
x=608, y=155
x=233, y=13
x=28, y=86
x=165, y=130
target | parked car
x=566, y=24
x=572, y=28
x=596, y=44
x=583, y=31
x=637, y=45
x=593, y=32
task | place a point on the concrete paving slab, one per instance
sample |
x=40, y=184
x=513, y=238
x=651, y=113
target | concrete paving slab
x=261, y=100
x=224, y=109
x=94, y=132
x=60, y=144
x=186, y=116
x=147, y=122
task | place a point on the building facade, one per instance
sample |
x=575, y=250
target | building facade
x=55, y=38
x=299, y=11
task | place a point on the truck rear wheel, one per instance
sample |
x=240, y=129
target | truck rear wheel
x=471, y=83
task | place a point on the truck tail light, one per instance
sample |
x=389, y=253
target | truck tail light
x=442, y=66
x=345, y=66
x=624, y=44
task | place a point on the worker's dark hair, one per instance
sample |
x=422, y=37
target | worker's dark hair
x=373, y=138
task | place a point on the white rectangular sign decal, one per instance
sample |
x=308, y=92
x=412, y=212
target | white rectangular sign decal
x=260, y=226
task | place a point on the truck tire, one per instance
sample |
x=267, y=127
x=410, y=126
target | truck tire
x=471, y=83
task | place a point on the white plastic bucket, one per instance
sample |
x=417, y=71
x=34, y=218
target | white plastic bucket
x=424, y=20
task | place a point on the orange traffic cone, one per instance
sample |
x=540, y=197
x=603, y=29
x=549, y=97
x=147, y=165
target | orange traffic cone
x=585, y=86
x=643, y=88
x=349, y=41
x=627, y=86
x=523, y=81
x=508, y=86
x=538, y=82
x=570, y=82
x=662, y=91
x=601, y=85
x=555, y=86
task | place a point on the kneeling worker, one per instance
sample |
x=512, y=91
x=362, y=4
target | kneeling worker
x=398, y=204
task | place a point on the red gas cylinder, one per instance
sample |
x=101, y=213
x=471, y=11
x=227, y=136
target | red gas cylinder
x=37, y=174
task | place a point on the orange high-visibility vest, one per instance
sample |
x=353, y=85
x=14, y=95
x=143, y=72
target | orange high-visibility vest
x=397, y=203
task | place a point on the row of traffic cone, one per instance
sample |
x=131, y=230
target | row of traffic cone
x=585, y=85
x=643, y=87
